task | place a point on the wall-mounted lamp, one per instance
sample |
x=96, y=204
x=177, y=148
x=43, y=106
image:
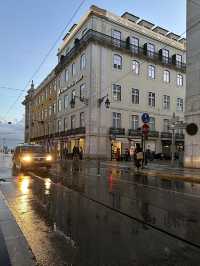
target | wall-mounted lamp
x=81, y=99
x=107, y=102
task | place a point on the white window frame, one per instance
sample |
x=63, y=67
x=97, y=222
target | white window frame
x=116, y=120
x=179, y=80
x=134, y=41
x=134, y=122
x=152, y=123
x=136, y=67
x=66, y=75
x=151, y=72
x=165, y=125
x=179, y=104
x=166, y=102
x=166, y=76
x=135, y=96
x=59, y=105
x=117, y=61
x=116, y=35
x=151, y=49
x=73, y=121
x=116, y=92
x=152, y=99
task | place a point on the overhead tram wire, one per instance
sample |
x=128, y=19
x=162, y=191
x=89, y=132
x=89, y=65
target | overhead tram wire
x=8, y=88
x=46, y=56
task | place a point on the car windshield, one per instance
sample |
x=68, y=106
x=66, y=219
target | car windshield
x=33, y=149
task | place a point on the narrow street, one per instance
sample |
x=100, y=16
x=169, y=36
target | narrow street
x=76, y=215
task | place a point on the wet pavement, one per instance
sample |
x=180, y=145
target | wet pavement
x=78, y=215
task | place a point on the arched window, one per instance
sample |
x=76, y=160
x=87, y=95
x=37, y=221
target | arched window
x=117, y=61
x=136, y=67
x=179, y=80
x=151, y=72
x=166, y=76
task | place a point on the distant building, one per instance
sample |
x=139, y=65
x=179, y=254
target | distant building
x=140, y=66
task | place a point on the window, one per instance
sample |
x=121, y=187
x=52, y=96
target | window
x=165, y=56
x=179, y=104
x=82, y=62
x=73, y=69
x=166, y=76
x=166, y=125
x=66, y=101
x=73, y=121
x=150, y=49
x=116, y=35
x=151, y=72
x=54, y=108
x=166, y=102
x=59, y=105
x=45, y=113
x=66, y=75
x=50, y=110
x=73, y=94
x=178, y=60
x=82, y=119
x=135, y=96
x=116, y=92
x=65, y=123
x=179, y=80
x=117, y=61
x=59, y=125
x=135, y=122
x=134, y=44
x=116, y=120
x=152, y=126
x=152, y=99
x=136, y=67
x=83, y=92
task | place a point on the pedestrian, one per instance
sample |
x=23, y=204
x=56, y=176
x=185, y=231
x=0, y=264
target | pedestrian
x=127, y=154
x=75, y=152
x=138, y=156
x=81, y=153
x=118, y=154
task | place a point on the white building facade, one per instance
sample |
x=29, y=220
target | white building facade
x=132, y=63
x=192, y=115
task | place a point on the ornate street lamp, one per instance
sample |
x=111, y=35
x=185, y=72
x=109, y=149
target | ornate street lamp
x=107, y=102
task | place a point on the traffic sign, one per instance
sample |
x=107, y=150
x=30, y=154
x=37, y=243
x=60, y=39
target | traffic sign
x=145, y=118
x=145, y=129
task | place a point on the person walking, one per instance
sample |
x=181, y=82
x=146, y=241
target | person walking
x=138, y=156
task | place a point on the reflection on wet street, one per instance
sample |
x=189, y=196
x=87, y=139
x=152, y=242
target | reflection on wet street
x=72, y=216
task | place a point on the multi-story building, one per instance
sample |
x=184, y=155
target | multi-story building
x=124, y=63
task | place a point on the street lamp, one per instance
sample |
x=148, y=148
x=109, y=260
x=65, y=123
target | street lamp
x=107, y=102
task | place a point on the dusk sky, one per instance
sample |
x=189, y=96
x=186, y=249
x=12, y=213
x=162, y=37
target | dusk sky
x=28, y=30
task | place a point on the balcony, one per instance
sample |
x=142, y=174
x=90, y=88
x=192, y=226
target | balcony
x=153, y=134
x=180, y=137
x=125, y=46
x=166, y=135
x=117, y=131
x=134, y=133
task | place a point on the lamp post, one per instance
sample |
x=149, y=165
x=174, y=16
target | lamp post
x=175, y=124
x=107, y=105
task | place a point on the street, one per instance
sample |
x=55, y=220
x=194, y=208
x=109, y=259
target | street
x=74, y=216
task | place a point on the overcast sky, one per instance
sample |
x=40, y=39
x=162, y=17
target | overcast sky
x=29, y=28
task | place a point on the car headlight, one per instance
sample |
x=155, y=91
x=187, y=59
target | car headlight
x=49, y=158
x=27, y=158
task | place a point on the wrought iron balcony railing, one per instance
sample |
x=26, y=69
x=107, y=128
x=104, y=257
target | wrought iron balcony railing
x=126, y=46
x=166, y=135
x=117, y=131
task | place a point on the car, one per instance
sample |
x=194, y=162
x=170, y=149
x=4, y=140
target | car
x=29, y=156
